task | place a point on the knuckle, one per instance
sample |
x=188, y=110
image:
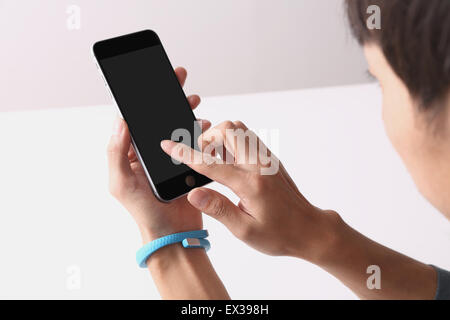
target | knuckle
x=239, y=124
x=204, y=139
x=218, y=207
x=226, y=125
x=182, y=151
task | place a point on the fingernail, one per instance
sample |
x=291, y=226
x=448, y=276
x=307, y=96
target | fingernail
x=166, y=145
x=205, y=122
x=118, y=126
x=198, y=198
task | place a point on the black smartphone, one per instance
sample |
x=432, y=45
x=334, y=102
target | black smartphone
x=146, y=90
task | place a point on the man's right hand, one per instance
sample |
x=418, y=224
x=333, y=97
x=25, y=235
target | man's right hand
x=272, y=215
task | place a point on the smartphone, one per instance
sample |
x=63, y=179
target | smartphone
x=146, y=90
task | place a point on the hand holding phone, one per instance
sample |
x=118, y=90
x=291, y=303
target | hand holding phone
x=146, y=90
x=129, y=184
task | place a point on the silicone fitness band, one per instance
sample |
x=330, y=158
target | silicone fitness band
x=189, y=239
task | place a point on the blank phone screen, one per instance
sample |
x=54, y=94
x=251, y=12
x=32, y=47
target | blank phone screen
x=152, y=103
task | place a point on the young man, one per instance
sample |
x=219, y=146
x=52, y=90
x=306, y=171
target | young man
x=410, y=57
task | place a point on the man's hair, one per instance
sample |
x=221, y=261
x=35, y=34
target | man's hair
x=415, y=39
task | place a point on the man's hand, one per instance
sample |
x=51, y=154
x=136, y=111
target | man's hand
x=272, y=215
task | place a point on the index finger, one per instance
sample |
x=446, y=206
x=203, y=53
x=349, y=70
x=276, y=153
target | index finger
x=205, y=164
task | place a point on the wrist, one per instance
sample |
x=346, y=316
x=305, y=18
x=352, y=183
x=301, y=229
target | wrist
x=191, y=239
x=181, y=273
x=150, y=234
x=174, y=255
x=335, y=234
x=326, y=239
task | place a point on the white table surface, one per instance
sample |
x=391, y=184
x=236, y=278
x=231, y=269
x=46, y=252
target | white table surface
x=55, y=210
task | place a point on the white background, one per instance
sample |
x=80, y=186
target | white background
x=55, y=211
x=228, y=46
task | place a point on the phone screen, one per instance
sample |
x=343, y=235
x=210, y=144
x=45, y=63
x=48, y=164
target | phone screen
x=154, y=105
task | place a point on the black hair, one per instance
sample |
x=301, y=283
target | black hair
x=415, y=39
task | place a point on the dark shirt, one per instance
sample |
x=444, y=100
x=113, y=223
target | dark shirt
x=443, y=285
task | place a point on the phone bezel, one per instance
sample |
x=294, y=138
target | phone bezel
x=171, y=188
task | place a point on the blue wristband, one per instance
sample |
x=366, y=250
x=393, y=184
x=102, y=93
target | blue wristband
x=190, y=239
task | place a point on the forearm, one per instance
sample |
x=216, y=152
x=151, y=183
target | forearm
x=349, y=254
x=181, y=273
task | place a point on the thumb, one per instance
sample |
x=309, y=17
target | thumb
x=217, y=206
